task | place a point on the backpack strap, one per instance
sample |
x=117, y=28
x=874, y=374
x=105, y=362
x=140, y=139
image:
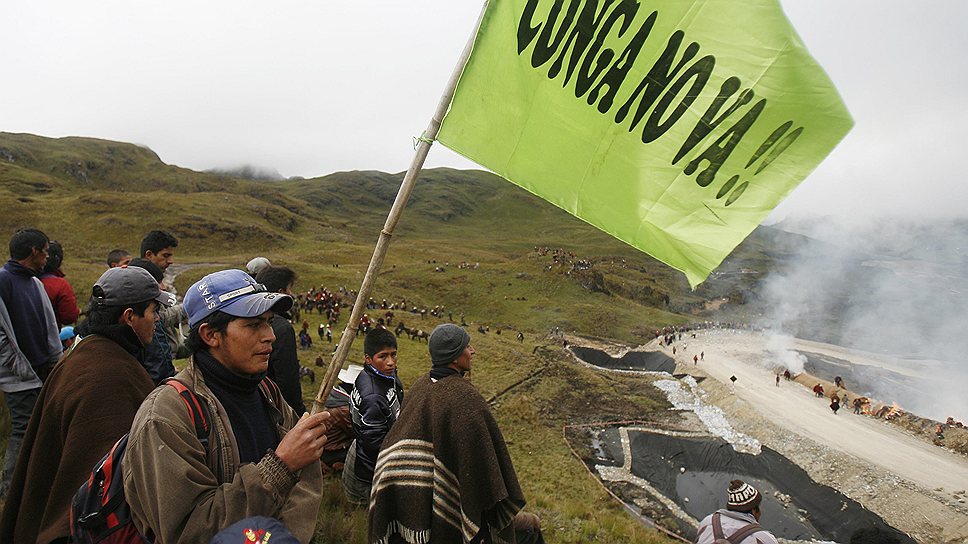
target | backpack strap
x=744, y=532
x=195, y=410
x=272, y=393
x=717, y=527
x=109, y=468
x=736, y=537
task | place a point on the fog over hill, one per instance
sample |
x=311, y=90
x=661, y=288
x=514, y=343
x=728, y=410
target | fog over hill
x=249, y=171
x=894, y=287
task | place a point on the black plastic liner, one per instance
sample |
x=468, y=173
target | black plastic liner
x=652, y=361
x=814, y=511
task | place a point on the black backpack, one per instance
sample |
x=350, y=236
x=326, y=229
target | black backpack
x=99, y=511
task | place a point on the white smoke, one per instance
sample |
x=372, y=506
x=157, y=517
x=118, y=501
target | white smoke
x=781, y=353
x=890, y=287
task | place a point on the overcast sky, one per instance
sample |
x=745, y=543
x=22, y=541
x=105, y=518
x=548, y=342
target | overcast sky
x=309, y=87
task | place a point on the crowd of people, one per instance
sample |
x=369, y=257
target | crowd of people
x=841, y=397
x=72, y=392
x=225, y=447
x=226, y=443
x=838, y=398
x=561, y=257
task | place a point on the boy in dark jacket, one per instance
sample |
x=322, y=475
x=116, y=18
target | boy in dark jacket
x=374, y=406
x=158, y=247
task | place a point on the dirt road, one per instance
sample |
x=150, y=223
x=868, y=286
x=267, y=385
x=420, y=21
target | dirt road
x=918, y=487
x=795, y=407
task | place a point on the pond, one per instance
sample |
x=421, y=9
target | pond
x=652, y=361
x=694, y=472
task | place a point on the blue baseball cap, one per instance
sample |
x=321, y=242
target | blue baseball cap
x=233, y=292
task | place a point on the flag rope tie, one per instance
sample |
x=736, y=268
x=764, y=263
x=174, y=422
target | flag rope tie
x=422, y=138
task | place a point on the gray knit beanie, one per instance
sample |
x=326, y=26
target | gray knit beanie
x=446, y=343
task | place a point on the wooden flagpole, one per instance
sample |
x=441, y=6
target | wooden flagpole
x=403, y=195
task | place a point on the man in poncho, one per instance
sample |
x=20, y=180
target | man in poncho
x=87, y=403
x=444, y=474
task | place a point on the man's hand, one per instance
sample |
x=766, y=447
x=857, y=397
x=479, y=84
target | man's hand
x=303, y=444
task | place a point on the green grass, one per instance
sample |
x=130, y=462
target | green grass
x=573, y=505
x=94, y=195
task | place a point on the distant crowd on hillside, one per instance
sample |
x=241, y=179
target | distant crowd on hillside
x=561, y=257
x=671, y=333
x=384, y=313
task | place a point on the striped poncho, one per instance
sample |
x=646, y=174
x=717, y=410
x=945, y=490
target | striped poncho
x=443, y=469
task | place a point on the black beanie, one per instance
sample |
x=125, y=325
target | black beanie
x=153, y=269
x=446, y=343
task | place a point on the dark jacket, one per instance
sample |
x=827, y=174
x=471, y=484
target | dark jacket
x=375, y=404
x=16, y=372
x=284, y=363
x=87, y=403
x=26, y=305
x=158, y=356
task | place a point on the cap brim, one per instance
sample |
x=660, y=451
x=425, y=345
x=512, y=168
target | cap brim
x=166, y=299
x=256, y=304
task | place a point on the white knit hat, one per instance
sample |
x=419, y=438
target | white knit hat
x=742, y=496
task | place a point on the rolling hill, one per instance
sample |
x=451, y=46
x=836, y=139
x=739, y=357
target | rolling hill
x=468, y=241
x=94, y=195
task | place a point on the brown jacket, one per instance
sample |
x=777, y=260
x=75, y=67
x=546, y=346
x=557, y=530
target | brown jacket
x=183, y=495
x=86, y=405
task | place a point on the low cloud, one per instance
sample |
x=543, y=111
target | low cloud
x=898, y=288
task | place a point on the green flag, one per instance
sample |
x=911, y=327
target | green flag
x=675, y=126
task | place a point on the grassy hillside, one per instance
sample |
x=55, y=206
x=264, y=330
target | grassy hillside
x=94, y=195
